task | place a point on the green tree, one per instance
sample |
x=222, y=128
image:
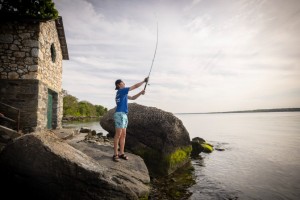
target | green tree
x=70, y=107
x=87, y=109
x=35, y=9
x=74, y=108
x=100, y=110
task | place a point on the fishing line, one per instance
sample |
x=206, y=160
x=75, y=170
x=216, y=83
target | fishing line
x=153, y=56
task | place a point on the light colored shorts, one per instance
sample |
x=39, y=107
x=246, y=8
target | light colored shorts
x=121, y=120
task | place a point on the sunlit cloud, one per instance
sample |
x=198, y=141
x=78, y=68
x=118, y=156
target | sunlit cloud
x=212, y=55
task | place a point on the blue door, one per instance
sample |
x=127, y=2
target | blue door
x=49, y=110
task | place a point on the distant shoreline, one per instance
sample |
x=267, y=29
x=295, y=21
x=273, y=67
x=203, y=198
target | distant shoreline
x=251, y=111
x=79, y=118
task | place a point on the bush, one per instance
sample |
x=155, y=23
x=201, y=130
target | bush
x=32, y=9
x=73, y=107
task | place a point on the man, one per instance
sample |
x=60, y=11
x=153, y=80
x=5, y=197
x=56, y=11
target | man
x=120, y=116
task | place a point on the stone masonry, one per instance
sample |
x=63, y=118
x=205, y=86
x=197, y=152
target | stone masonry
x=30, y=69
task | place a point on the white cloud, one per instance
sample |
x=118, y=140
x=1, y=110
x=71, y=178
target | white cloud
x=211, y=56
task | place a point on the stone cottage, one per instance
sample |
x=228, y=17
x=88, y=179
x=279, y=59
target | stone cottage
x=31, y=53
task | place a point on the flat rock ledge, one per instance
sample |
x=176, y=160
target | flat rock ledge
x=43, y=166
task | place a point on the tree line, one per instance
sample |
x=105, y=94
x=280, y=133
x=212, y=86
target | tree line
x=74, y=108
x=28, y=9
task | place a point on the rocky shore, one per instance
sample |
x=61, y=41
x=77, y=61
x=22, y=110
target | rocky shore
x=78, y=118
x=174, y=186
x=77, y=164
x=44, y=166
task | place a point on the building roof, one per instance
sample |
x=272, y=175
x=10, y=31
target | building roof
x=62, y=38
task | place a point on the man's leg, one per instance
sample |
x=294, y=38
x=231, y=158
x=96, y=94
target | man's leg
x=122, y=140
x=117, y=139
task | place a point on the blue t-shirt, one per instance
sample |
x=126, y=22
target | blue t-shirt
x=122, y=99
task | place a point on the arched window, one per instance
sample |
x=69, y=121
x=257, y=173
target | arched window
x=53, y=52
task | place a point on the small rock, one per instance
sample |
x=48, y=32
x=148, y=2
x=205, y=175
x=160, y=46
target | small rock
x=85, y=130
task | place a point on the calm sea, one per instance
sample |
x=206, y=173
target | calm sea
x=261, y=158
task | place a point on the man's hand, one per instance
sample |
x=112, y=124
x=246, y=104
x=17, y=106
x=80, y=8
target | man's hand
x=143, y=92
x=146, y=79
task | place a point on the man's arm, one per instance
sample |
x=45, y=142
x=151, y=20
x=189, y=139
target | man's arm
x=137, y=95
x=138, y=84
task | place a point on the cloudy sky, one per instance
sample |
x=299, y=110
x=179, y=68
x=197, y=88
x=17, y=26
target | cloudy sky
x=212, y=55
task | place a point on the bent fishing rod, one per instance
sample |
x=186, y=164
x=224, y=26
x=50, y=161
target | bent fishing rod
x=153, y=56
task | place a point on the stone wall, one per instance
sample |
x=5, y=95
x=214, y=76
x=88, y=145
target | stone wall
x=30, y=96
x=48, y=71
x=27, y=51
x=19, y=50
x=21, y=94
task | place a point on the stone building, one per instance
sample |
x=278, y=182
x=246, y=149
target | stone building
x=31, y=53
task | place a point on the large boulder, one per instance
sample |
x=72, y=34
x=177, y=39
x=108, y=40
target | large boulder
x=159, y=137
x=42, y=166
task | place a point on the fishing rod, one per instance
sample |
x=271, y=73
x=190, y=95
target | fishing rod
x=153, y=56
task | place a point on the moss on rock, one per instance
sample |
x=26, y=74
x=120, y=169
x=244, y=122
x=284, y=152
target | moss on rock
x=208, y=148
x=179, y=157
x=174, y=186
x=160, y=164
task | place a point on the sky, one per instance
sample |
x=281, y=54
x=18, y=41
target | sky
x=212, y=55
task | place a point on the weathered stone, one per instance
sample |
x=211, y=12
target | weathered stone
x=14, y=47
x=42, y=41
x=41, y=56
x=33, y=68
x=30, y=43
x=5, y=46
x=157, y=136
x=17, y=42
x=6, y=38
x=13, y=75
x=28, y=61
x=35, y=52
x=43, y=166
x=26, y=49
x=19, y=54
x=20, y=71
x=24, y=35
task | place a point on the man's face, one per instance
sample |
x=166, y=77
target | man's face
x=121, y=85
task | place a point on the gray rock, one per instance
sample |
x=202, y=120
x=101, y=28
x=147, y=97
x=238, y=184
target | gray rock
x=197, y=148
x=85, y=130
x=6, y=38
x=42, y=166
x=159, y=137
x=200, y=145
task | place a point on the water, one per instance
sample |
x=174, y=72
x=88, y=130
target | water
x=92, y=124
x=261, y=158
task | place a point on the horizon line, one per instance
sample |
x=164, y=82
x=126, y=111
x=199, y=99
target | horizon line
x=254, y=110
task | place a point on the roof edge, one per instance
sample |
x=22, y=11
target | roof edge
x=62, y=37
